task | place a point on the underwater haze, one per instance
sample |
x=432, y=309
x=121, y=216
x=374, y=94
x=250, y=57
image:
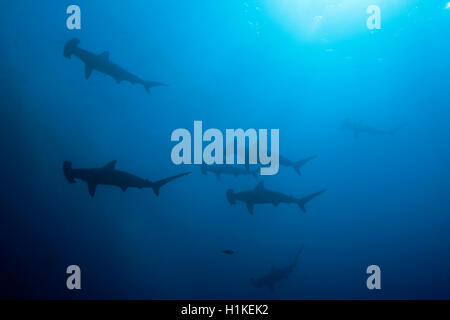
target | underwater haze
x=372, y=104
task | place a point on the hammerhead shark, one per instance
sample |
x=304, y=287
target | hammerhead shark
x=358, y=127
x=108, y=175
x=261, y=195
x=276, y=275
x=226, y=169
x=296, y=165
x=101, y=62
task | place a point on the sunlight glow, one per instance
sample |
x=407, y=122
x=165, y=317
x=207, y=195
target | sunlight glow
x=322, y=19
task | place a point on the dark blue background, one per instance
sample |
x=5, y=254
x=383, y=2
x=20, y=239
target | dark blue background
x=388, y=197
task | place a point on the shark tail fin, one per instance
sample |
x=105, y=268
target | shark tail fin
x=230, y=195
x=67, y=169
x=70, y=47
x=150, y=84
x=158, y=184
x=301, y=163
x=302, y=201
x=395, y=130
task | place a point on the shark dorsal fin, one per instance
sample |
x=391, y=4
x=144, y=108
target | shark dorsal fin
x=260, y=186
x=104, y=55
x=111, y=165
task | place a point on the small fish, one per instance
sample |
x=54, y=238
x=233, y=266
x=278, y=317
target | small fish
x=227, y=251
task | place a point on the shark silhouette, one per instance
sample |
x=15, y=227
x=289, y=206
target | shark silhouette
x=108, y=175
x=261, y=195
x=276, y=275
x=358, y=127
x=101, y=62
x=218, y=170
x=283, y=161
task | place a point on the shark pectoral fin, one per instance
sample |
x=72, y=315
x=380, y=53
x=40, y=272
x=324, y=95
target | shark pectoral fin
x=87, y=70
x=91, y=187
x=124, y=188
x=250, y=207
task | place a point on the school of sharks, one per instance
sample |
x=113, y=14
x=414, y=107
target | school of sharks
x=109, y=175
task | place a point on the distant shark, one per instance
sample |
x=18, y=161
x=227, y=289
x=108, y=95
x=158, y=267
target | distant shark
x=108, y=175
x=219, y=169
x=261, y=195
x=276, y=275
x=358, y=127
x=101, y=62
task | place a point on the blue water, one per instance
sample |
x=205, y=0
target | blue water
x=231, y=64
